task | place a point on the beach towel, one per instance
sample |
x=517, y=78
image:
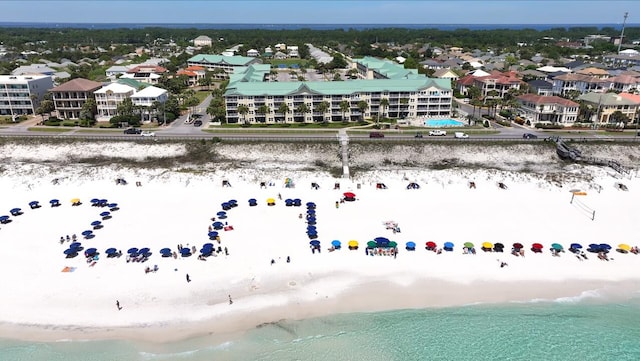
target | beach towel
x=228, y=228
x=68, y=269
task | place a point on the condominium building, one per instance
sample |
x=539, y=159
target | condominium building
x=225, y=64
x=22, y=94
x=69, y=97
x=249, y=99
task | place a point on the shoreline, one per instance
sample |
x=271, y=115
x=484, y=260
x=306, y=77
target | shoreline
x=365, y=298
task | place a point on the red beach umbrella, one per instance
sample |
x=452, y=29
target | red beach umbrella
x=431, y=244
x=349, y=195
x=517, y=246
x=536, y=246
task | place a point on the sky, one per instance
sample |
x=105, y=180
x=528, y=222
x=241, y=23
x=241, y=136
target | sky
x=322, y=11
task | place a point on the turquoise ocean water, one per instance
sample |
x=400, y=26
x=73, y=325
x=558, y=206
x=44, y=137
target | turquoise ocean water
x=526, y=331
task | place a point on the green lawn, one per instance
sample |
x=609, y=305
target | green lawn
x=50, y=129
x=202, y=94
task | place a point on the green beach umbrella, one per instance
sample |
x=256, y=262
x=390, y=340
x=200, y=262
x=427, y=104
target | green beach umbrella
x=393, y=244
x=372, y=244
x=468, y=245
x=557, y=246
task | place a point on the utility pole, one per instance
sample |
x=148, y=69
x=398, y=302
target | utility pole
x=624, y=22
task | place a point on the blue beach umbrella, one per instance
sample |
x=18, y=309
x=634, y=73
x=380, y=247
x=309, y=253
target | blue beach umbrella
x=16, y=211
x=90, y=251
x=110, y=251
x=185, y=251
x=208, y=245
x=4, y=219
x=94, y=200
x=105, y=214
x=604, y=246
x=87, y=232
x=54, y=202
x=576, y=246
x=314, y=243
x=34, y=204
x=75, y=245
x=144, y=250
x=113, y=206
x=448, y=246
x=335, y=243
x=221, y=214
x=311, y=205
x=213, y=235
x=132, y=250
x=411, y=245
x=70, y=251
x=165, y=250
x=96, y=223
x=217, y=225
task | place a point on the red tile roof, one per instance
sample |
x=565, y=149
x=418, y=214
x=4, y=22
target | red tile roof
x=147, y=69
x=194, y=68
x=542, y=99
x=186, y=72
x=632, y=97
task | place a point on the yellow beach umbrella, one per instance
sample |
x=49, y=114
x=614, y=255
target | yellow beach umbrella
x=624, y=247
x=271, y=201
x=487, y=245
x=353, y=243
x=75, y=200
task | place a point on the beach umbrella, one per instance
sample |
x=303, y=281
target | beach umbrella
x=132, y=250
x=312, y=234
x=207, y=245
x=392, y=244
x=105, y=214
x=311, y=211
x=110, y=250
x=575, y=246
x=96, y=223
x=488, y=245
x=468, y=244
x=336, y=243
x=165, y=250
x=593, y=248
x=372, y=244
x=113, y=206
x=212, y=235
x=185, y=252
x=557, y=246
x=297, y=202
x=448, y=246
x=624, y=247
x=144, y=250
x=431, y=244
x=411, y=245
x=94, y=200
x=104, y=201
x=34, y=204
x=75, y=200
x=382, y=242
x=54, y=202
x=536, y=246
x=271, y=201
x=16, y=211
x=311, y=205
x=604, y=246
x=87, y=232
x=498, y=246
x=517, y=245
x=353, y=243
x=217, y=225
x=4, y=219
x=221, y=214
x=314, y=243
x=70, y=251
x=90, y=251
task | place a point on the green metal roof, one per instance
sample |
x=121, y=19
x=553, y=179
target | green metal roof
x=252, y=73
x=336, y=87
x=388, y=68
x=132, y=83
x=221, y=59
x=606, y=99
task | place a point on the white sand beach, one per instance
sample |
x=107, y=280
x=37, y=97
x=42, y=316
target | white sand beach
x=174, y=207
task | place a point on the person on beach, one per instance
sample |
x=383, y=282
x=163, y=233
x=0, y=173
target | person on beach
x=226, y=251
x=118, y=305
x=230, y=300
x=288, y=259
x=273, y=261
x=188, y=278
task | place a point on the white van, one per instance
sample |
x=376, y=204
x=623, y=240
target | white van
x=461, y=135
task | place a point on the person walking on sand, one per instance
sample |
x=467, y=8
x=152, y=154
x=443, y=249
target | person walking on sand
x=230, y=300
x=188, y=278
x=118, y=305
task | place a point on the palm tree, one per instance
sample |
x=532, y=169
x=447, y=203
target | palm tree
x=344, y=107
x=283, y=109
x=362, y=107
x=303, y=109
x=384, y=104
x=403, y=101
x=243, y=110
x=263, y=110
x=323, y=107
x=474, y=93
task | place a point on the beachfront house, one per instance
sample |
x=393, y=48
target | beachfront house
x=109, y=97
x=410, y=95
x=606, y=104
x=70, y=97
x=497, y=83
x=148, y=99
x=548, y=109
x=22, y=94
x=193, y=73
x=145, y=73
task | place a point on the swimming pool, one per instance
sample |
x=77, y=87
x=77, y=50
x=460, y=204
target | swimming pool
x=439, y=123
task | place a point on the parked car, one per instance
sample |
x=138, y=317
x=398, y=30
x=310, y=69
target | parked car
x=529, y=136
x=437, y=132
x=147, y=133
x=376, y=135
x=461, y=135
x=197, y=123
x=418, y=135
x=132, y=131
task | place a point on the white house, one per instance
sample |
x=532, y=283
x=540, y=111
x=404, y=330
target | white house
x=253, y=53
x=109, y=97
x=116, y=70
x=146, y=98
x=202, y=40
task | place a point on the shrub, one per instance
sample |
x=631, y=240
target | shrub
x=52, y=122
x=548, y=126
